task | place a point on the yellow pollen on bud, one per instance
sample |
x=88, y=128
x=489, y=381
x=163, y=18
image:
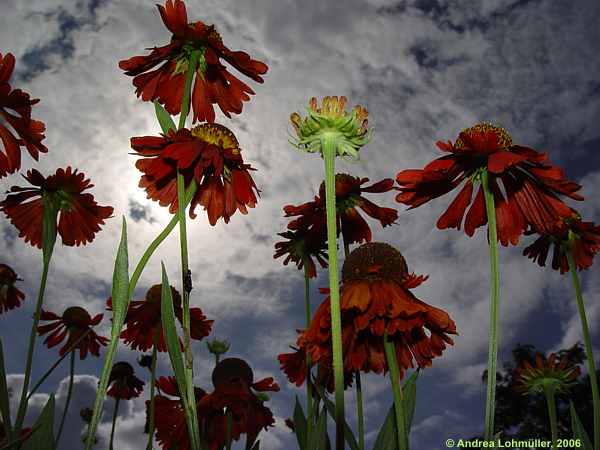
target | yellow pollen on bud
x=504, y=139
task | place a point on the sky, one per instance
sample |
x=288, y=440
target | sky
x=425, y=70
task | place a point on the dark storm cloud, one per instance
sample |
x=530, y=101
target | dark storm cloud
x=40, y=58
x=139, y=212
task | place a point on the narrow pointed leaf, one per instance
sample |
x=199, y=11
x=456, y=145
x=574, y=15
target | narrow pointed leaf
x=164, y=118
x=579, y=431
x=4, y=401
x=386, y=439
x=317, y=439
x=48, y=229
x=42, y=438
x=409, y=398
x=300, y=425
x=120, y=299
x=348, y=434
x=175, y=355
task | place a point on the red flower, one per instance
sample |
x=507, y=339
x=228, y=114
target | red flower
x=80, y=215
x=524, y=183
x=376, y=296
x=210, y=154
x=560, y=374
x=10, y=296
x=348, y=196
x=233, y=381
x=143, y=320
x=582, y=237
x=30, y=131
x=294, y=366
x=170, y=424
x=301, y=246
x=74, y=322
x=214, y=84
x=123, y=382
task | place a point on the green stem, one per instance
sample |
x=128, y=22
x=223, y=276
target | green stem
x=55, y=365
x=328, y=146
x=390, y=353
x=549, y=392
x=181, y=208
x=360, y=412
x=587, y=341
x=69, y=393
x=114, y=421
x=494, y=302
x=32, y=336
x=309, y=409
x=360, y=415
x=157, y=241
x=152, y=382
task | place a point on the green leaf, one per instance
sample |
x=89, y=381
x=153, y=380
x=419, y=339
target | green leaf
x=348, y=434
x=409, y=398
x=175, y=355
x=171, y=338
x=4, y=400
x=164, y=118
x=42, y=438
x=300, y=425
x=579, y=431
x=317, y=439
x=48, y=228
x=386, y=439
x=120, y=300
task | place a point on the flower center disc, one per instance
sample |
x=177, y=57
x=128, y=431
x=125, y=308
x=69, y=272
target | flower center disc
x=374, y=261
x=504, y=139
x=154, y=295
x=7, y=276
x=77, y=317
x=218, y=135
x=231, y=370
x=121, y=370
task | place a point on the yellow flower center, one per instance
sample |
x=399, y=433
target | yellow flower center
x=504, y=139
x=218, y=135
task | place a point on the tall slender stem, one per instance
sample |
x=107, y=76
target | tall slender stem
x=360, y=415
x=139, y=268
x=185, y=275
x=390, y=353
x=32, y=335
x=55, y=365
x=69, y=393
x=328, y=146
x=114, y=422
x=587, y=342
x=549, y=393
x=360, y=412
x=494, y=302
x=152, y=382
x=309, y=409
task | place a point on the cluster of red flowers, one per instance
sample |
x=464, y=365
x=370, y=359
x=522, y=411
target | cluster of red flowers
x=233, y=395
x=30, y=132
x=307, y=232
x=374, y=297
